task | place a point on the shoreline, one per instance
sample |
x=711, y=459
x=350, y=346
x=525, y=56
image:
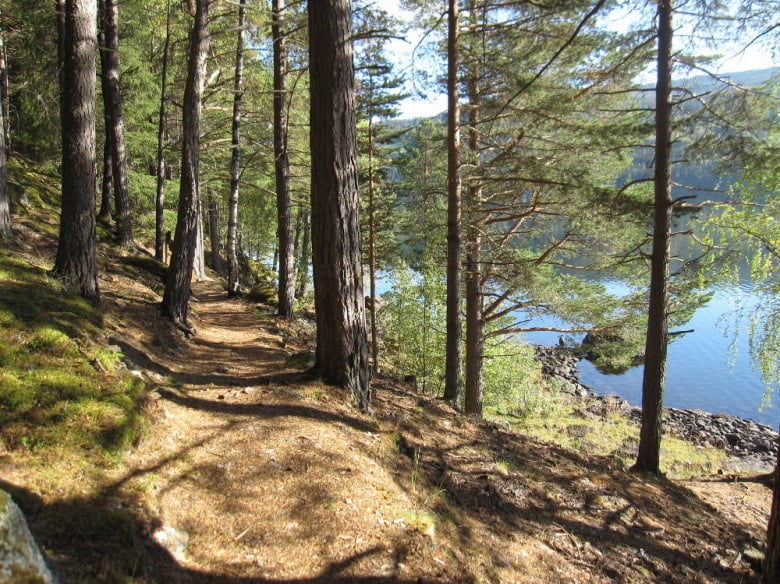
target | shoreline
x=750, y=446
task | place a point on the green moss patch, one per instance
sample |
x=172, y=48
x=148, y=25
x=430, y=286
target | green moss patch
x=58, y=387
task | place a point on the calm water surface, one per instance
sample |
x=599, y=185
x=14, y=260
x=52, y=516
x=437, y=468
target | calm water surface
x=706, y=370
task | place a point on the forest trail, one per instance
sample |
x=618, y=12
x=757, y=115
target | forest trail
x=273, y=477
x=270, y=478
x=252, y=472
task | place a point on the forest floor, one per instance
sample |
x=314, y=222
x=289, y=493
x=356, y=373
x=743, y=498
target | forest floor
x=251, y=472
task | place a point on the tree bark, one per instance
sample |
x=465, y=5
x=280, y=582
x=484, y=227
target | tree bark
x=214, y=239
x=342, y=352
x=372, y=245
x=5, y=101
x=286, y=297
x=304, y=257
x=159, y=202
x=475, y=324
x=452, y=381
x=115, y=129
x=107, y=188
x=5, y=202
x=59, y=11
x=654, y=375
x=770, y=572
x=235, y=156
x=178, y=282
x=76, y=261
x=199, y=261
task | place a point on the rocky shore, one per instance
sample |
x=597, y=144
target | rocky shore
x=749, y=445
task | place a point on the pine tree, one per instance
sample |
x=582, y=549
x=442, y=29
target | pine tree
x=378, y=94
x=452, y=383
x=76, y=261
x=115, y=132
x=648, y=458
x=177, y=285
x=5, y=209
x=286, y=295
x=342, y=351
x=159, y=205
x=235, y=155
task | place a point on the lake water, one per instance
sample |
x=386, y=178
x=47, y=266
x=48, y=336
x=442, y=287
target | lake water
x=706, y=370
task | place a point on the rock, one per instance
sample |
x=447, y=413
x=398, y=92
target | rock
x=21, y=560
x=577, y=430
x=753, y=557
x=174, y=540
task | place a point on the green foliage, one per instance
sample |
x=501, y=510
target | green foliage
x=29, y=31
x=513, y=383
x=412, y=321
x=419, y=162
x=751, y=230
x=412, y=325
x=263, y=293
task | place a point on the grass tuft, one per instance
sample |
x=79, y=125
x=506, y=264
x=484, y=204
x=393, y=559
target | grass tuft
x=616, y=437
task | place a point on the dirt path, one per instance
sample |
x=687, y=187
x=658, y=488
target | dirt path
x=267, y=477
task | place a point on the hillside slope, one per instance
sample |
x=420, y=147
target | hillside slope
x=248, y=471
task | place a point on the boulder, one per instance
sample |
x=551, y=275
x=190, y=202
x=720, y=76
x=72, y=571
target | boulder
x=21, y=560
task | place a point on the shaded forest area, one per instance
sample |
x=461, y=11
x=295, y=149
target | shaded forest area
x=248, y=152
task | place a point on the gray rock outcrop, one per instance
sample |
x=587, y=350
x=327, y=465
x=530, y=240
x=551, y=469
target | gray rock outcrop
x=21, y=560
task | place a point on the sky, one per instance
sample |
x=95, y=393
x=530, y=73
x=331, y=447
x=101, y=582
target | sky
x=734, y=59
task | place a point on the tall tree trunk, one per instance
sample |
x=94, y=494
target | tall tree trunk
x=475, y=338
x=770, y=573
x=304, y=257
x=372, y=244
x=5, y=100
x=452, y=379
x=298, y=234
x=162, y=122
x=235, y=156
x=282, y=166
x=59, y=12
x=107, y=185
x=107, y=188
x=112, y=102
x=177, y=285
x=657, y=327
x=199, y=261
x=76, y=262
x=342, y=351
x=5, y=203
x=214, y=239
